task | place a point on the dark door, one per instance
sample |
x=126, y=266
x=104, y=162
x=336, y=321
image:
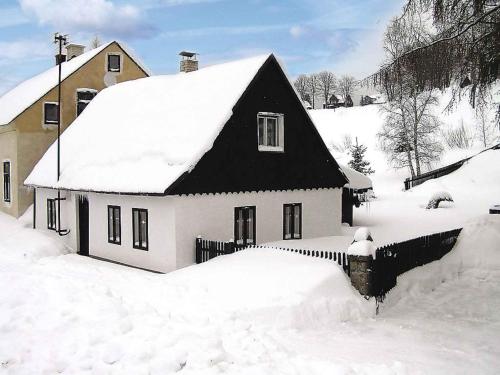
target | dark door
x=244, y=225
x=347, y=201
x=83, y=225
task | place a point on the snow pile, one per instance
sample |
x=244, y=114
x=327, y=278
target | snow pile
x=357, y=180
x=152, y=126
x=363, y=234
x=442, y=196
x=362, y=244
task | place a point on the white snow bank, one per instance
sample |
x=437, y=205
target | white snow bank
x=277, y=288
x=476, y=253
x=157, y=127
x=362, y=248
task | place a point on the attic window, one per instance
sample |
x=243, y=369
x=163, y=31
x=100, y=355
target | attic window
x=270, y=132
x=84, y=96
x=50, y=113
x=114, y=63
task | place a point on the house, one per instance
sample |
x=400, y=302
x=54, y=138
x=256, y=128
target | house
x=244, y=163
x=358, y=189
x=29, y=112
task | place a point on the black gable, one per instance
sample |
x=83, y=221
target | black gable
x=234, y=164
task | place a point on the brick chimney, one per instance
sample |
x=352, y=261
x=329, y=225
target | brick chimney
x=74, y=50
x=189, y=61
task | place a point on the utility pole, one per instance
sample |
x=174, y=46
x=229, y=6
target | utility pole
x=61, y=40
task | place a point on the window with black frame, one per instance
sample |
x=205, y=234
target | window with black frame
x=51, y=214
x=244, y=225
x=140, y=228
x=114, y=63
x=83, y=98
x=292, y=221
x=114, y=225
x=50, y=113
x=6, y=181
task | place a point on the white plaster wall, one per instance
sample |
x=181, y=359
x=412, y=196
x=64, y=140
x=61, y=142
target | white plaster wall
x=212, y=216
x=160, y=255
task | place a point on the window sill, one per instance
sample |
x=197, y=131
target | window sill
x=271, y=149
x=114, y=70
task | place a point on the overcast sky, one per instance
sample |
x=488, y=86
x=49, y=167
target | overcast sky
x=308, y=35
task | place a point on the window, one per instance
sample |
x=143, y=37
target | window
x=292, y=221
x=50, y=113
x=244, y=225
x=270, y=131
x=51, y=214
x=114, y=63
x=6, y=181
x=83, y=98
x=114, y=225
x=140, y=228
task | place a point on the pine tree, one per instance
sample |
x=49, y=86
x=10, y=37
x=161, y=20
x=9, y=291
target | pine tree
x=358, y=163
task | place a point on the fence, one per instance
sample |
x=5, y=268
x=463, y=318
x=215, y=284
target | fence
x=381, y=273
x=412, y=182
x=206, y=250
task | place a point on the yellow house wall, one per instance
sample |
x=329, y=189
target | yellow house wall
x=34, y=138
x=8, y=151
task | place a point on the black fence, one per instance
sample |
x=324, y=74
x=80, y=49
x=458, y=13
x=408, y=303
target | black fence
x=206, y=250
x=397, y=258
x=412, y=182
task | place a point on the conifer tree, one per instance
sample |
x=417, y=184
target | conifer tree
x=358, y=162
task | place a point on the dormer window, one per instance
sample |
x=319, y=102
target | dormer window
x=83, y=98
x=50, y=113
x=114, y=63
x=270, y=132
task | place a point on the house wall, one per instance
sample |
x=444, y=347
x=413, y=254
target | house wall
x=212, y=216
x=34, y=137
x=8, y=152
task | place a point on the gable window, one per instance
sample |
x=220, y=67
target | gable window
x=114, y=225
x=270, y=131
x=51, y=214
x=244, y=225
x=140, y=228
x=6, y=181
x=50, y=113
x=114, y=63
x=83, y=98
x=292, y=221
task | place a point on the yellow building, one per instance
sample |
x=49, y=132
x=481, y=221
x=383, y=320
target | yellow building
x=28, y=113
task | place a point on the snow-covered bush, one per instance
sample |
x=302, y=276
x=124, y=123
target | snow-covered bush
x=442, y=196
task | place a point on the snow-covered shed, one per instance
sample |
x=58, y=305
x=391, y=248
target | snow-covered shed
x=244, y=162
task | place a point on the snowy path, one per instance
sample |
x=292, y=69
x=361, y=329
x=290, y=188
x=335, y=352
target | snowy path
x=74, y=315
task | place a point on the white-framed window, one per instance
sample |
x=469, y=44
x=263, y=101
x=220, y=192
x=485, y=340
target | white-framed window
x=114, y=62
x=6, y=181
x=50, y=113
x=270, y=132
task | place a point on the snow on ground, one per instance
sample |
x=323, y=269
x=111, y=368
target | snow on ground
x=259, y=311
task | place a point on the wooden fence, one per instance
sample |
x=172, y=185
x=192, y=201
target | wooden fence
x=390, y=260
x=412, y=182
x=206, y=250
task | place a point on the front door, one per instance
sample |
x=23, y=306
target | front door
x=83, y=225
x=244, y=225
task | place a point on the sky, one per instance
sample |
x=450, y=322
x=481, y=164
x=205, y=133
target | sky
x=344, y=36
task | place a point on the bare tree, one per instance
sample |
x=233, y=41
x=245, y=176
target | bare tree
x=485, y=127
x=313, y=87
x=95, y=42
x=326, y=84
x=346, y=86
x=301, y=86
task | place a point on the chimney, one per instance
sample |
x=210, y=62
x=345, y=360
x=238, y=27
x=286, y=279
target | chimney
x=74, y=50
x=189, y=62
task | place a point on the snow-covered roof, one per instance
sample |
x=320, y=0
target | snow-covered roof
x=150, y=131
x=356, y=180
x=17, y=100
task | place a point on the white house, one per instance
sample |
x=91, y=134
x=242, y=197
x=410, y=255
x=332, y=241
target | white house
x=243, y=161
